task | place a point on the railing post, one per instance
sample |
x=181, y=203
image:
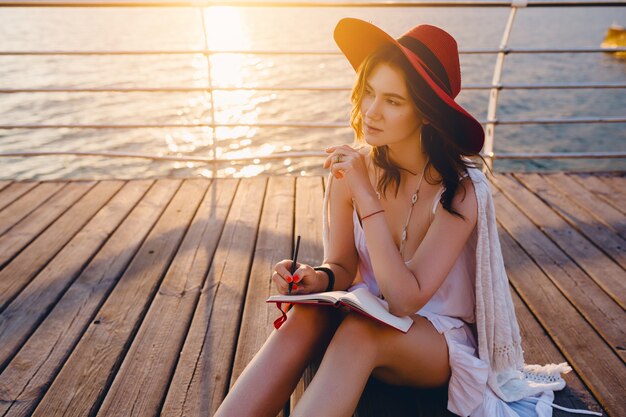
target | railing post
x=210, y=81
x=496, y=80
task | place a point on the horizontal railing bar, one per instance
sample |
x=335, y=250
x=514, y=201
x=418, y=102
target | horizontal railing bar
x=201, y=3
x=281, y=155
x=551, y=50
x=299, y=154
x=298, y=52
x=297, y=88
x=172, y=125
x=169, y=89
x=556, y=155
x=296, y=125
x=172, y=52
x=550, y=86
x=565, y=120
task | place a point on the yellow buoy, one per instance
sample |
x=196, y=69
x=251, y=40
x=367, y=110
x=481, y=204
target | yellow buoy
x=615, y=37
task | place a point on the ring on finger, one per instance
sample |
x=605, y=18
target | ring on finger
x=338, y=158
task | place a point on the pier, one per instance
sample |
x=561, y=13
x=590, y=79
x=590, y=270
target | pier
x=147, y=297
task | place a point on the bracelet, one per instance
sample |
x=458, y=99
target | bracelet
x=376, y=212
x=331, y=276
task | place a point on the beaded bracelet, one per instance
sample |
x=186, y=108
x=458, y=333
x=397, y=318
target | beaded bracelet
x=376, y=212
x=331, y=276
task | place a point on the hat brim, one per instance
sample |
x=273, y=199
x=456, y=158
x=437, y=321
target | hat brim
x=357, y=39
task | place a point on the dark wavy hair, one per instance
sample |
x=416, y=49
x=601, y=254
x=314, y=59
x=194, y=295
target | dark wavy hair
x=444, y=153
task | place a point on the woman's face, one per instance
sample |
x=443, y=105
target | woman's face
x=388, y=109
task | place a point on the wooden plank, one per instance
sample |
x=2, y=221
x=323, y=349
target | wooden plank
x=618, y=184
x=600, y=310
x=27, y=377
x=15, y=276
x=539, y=349
x=598, y=366
x=4, y=184
x=142, y=381
x=604, y=271
x=202, y=374
x=22, y=316
x=274, y=242
x=23, y=206
x=612, y=223
x=308, y=224
x=84, y=379
x=575, y=204
x=14, y=191
x=310, y=371
x=603, y=190
x=36, y=222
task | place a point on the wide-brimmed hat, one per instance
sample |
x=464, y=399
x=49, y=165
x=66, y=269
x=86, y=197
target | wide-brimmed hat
x=433, y=53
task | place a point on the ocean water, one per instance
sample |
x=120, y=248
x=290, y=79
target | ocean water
x=276, y=29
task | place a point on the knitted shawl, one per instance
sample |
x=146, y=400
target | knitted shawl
x=499, y=341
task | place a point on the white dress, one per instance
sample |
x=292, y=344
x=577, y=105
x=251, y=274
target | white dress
x=451, y=311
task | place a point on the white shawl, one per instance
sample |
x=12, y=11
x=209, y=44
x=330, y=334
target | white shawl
x=499, y=341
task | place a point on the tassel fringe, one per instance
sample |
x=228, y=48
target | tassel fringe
x=546, y=373
x=507, y=357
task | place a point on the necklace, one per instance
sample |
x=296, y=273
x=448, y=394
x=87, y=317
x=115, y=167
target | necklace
x=414, y=199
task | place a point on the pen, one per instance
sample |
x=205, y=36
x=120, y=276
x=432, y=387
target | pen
x=293, y=261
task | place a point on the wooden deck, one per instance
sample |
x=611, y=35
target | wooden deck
x=146, y=298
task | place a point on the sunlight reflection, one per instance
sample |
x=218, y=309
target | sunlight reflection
x=264, y=150
x=226, y=29
x=250, y=171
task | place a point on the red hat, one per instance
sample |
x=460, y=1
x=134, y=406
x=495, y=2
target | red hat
x=431, y=51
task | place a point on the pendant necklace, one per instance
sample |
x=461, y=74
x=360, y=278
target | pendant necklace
x=414, y=199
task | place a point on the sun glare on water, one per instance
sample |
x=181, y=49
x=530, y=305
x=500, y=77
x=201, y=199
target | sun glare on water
x=226, y=30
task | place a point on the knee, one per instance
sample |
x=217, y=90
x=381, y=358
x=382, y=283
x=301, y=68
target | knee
x=309, y=318
x=310, y=313
x=360, y=332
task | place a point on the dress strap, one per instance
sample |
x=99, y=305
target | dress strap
x=436, y=199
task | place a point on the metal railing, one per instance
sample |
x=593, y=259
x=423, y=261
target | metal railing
x=494, y=87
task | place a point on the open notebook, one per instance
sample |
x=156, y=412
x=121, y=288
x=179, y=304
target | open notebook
x=359, y=300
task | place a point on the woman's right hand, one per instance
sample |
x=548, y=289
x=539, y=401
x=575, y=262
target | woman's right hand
x=305, y=278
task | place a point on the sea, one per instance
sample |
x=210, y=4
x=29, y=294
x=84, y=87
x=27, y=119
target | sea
x=280, y=29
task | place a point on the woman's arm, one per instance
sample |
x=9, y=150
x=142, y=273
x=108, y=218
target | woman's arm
x=342, y=257
x=408, y=287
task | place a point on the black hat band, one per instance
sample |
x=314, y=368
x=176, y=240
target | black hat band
x=433, y=65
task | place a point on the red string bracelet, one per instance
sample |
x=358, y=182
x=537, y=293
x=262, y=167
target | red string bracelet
x=376, y=212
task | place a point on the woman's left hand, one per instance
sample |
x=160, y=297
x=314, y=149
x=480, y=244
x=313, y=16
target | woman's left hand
x=351, y=167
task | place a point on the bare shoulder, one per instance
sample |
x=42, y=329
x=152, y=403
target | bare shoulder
x=465, y=200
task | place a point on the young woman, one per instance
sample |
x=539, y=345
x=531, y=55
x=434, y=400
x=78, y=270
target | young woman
x=408, y=215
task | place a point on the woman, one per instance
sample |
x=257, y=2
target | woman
x=383, y=224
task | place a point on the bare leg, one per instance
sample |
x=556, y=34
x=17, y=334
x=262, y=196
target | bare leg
x=268, y=380
x=341, y=377
x=361, y=347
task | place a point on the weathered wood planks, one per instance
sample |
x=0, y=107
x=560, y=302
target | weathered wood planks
x=202, y=375
x=20, y=208
x=38, y=362
x=147, y=298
